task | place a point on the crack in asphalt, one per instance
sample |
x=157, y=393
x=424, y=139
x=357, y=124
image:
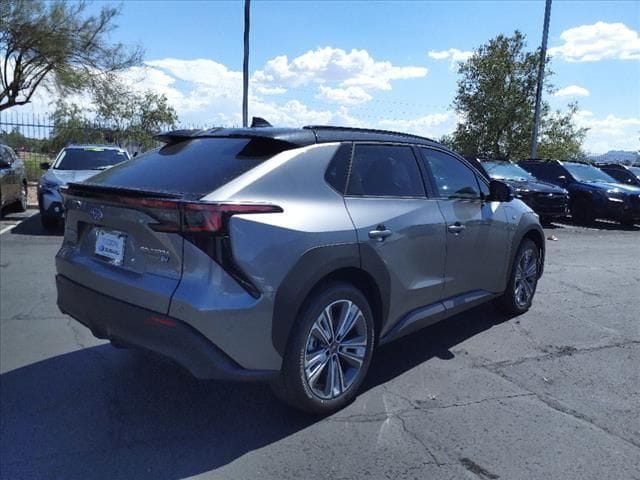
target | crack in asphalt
x=558, y=406
x=561, y=352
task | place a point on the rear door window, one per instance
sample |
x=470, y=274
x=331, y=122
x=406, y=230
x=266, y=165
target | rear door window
x=452, y=178
x=193, y=167
x=385, y=171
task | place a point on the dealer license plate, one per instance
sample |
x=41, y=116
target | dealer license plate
x=110, y=245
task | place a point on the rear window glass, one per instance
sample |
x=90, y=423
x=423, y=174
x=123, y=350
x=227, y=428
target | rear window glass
x=193, y=167
x=89, y=158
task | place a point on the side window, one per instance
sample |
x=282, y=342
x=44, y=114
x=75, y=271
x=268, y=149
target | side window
x=452, y=178
x=385, y=171
x=336, y=174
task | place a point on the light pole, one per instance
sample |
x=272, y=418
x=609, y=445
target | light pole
x=245, y=66
x=543, y=61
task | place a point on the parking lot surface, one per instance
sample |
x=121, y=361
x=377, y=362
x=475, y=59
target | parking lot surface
x=552, y=394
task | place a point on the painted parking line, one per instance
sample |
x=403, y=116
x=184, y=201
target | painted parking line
x=11, y=226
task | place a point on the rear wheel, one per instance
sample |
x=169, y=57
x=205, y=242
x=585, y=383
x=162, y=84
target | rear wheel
x=329, y=350
x=523, y=280
x=21, y=203
x=582, y=211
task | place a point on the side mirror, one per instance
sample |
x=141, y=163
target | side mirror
x=4, y=164
x=562, y=179
x=499, y=192
x=45, y=165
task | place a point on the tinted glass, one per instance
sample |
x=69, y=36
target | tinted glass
x=89, y=158
x=588, y=173
x=193, y=167
x=452, y=178
x=635, y=171
x=385, y=171
x=545, y=171
x=336, y=175
x=506, y=171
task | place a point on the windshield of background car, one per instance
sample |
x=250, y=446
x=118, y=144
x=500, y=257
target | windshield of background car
x=586, y=173
x=89, y=158
x=506, y=171
x=192, y=167
x=635, y=171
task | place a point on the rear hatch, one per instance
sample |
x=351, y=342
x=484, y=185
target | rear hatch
x=125, y=227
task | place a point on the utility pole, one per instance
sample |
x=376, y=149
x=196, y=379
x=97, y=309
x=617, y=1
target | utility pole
x=245, y=66
x=543, y=61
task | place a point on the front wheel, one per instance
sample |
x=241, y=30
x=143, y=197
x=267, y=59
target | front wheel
x=329, y=351
x=523, y=280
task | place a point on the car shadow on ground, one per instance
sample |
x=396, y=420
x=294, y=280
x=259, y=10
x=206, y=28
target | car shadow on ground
x=32, y=226
x=100, y=412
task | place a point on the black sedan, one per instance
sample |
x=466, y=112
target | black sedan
x=547, y=200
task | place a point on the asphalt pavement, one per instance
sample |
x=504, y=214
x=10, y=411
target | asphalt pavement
x=552, y=394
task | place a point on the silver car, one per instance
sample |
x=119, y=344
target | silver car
x=287, y=255
x=74, y=163
x=13, y=181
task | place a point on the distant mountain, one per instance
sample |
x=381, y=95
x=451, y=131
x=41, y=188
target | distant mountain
x=616, y=156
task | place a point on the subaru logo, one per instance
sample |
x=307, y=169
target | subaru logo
x=96, y=213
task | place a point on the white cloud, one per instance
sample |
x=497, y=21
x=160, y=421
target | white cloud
x=456, y=56
x=609, y=133
x=572, y=91
x=334, y=66
x=343, y=96
x=433, y=125
x=600, y=41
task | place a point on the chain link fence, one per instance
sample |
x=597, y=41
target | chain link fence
x=39, y=138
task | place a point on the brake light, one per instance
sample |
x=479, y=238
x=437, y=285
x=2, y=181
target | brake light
x=205, y=225
x=194, y=217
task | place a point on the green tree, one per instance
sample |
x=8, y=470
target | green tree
x=57, y=44
x=121, y=117
x=496, y=98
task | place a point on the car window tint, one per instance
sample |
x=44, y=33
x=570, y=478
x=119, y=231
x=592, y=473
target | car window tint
x=452, y=178
x=336, y=174
x=385, y=171
x=193, y=167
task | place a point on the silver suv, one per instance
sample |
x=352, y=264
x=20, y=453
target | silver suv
x=289, y=254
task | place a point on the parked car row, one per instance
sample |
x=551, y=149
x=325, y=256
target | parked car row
x=587, y=192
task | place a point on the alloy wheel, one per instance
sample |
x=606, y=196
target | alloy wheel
x=525, y=278
x=335, y=349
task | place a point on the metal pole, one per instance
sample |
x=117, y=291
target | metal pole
x=543, y=61
x=245, y=66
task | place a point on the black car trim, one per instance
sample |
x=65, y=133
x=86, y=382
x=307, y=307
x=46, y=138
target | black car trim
x=137, y=327
x=312, y=268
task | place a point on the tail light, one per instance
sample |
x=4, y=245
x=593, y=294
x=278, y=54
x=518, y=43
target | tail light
x=205, y=225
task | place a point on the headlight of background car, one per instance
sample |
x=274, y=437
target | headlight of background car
x=521, y=192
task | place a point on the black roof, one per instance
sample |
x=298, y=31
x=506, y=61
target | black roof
x=300, y=137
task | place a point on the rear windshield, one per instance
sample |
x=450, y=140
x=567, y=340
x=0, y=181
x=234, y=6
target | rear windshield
x=192, y=168
x=89, y=158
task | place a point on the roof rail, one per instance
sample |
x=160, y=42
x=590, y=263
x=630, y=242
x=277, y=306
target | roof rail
x=365, y=130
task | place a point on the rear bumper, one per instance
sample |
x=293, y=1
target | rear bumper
x=109, y=318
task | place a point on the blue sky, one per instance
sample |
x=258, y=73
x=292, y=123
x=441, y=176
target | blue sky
x=379, y=64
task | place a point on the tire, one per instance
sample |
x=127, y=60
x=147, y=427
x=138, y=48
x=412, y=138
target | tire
x=21, y=204
x=48, y=222
x=582, y=211
x=518, y=296
x=341, y=356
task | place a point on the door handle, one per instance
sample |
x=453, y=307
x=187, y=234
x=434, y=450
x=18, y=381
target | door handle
x=456, y=228
x=380, y=233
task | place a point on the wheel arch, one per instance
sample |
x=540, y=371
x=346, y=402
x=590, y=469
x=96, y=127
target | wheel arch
x=316, y=268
